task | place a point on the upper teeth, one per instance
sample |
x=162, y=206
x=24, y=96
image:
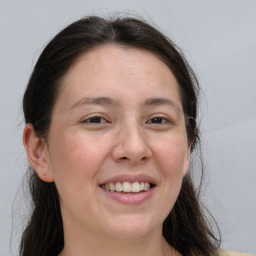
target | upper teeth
x=127, y=186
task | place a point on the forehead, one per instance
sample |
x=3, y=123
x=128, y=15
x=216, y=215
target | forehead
x=119, y=72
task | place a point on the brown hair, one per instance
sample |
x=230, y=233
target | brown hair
x=185, y=228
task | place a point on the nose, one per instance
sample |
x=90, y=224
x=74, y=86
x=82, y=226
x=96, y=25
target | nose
x=131, y=145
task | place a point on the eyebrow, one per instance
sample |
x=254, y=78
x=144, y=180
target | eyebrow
x=107, y=101
x=161, y=101
x=95, y=101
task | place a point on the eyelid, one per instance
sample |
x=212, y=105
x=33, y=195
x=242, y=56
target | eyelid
x=96, y=115
x=164, y=117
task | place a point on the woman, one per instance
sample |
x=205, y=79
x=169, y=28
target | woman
x=111, y=122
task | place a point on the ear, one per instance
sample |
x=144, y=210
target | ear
x=186, y=162
x=37, y=153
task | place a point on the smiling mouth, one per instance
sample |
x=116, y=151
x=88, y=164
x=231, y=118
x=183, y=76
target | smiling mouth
x=127, y=187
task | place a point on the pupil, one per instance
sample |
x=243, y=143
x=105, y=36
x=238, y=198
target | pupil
x=157, y=120
x=95, y=119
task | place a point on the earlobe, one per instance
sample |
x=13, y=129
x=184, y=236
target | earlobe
x=36, y=150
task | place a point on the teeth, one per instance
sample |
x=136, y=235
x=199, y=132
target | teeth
x=112, y=187
x=146, y=186
x=119, y=187
x=142, y=185
x=135, y=187
x=127, y=186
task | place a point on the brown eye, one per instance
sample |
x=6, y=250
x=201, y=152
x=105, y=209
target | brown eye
x=95, y=120
x=158, y=120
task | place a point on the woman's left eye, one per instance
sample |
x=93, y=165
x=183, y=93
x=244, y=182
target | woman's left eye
x=95, y=120
x=158, y=120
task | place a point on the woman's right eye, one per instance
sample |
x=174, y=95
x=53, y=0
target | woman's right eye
x=95, y=120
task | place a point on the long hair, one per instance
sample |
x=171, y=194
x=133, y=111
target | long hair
x=186, y=227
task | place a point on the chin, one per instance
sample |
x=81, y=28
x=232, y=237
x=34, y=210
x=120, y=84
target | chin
x=133, y=226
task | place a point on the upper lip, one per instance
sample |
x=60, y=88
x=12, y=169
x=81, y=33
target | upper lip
x=130, y=178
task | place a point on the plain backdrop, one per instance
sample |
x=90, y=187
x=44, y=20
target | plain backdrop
x=218, y=38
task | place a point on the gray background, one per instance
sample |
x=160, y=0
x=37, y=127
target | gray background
x=219, y=39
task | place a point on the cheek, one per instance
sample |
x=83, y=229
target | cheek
x=172, y=156
x=170, y=159
x=75, y=163
x=76, y=158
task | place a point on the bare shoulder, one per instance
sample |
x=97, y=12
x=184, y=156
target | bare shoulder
x=233, y=253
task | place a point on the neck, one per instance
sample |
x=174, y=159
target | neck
x=150, y=245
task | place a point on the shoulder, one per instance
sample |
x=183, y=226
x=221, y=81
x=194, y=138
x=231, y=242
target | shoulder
x=232, y=253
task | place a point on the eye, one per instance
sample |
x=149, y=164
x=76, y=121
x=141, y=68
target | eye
x=158, y=120
x=95, y=120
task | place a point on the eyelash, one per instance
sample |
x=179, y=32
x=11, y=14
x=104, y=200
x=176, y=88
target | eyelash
x=95, y=118
x=98, y=120
x=157, y=119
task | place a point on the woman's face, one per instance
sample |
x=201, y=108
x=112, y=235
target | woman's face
x=117, y=124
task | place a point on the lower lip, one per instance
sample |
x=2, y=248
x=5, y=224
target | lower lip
x=126, y=198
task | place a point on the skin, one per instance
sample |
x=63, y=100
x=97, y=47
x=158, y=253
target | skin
x=80, y=152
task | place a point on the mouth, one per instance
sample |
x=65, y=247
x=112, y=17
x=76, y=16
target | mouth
x=128, y=187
